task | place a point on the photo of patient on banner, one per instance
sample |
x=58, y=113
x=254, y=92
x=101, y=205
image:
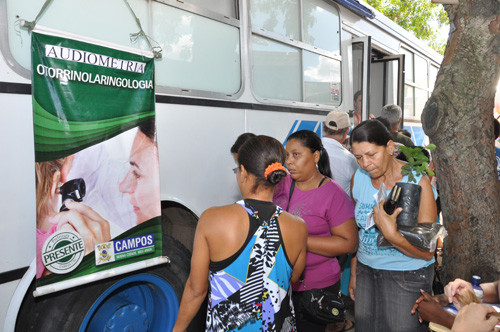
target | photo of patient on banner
x=96, y=160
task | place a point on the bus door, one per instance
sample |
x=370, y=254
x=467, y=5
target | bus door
x=380, y=77
x=387, y=82
x=360, y=71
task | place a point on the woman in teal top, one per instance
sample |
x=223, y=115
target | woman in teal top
x=385, y=282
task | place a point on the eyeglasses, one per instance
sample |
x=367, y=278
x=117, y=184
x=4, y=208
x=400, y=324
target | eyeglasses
x=235, y=170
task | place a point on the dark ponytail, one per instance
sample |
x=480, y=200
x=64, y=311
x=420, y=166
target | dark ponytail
x=324, y=163
x=260, y=154
x=311, y=140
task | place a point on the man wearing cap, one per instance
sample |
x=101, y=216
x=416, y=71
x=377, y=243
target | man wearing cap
x=342, y=162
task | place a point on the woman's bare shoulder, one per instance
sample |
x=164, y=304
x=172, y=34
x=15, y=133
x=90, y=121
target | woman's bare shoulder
x=221, y=215
x=291, y=218
x=293, y=222
x=220, y=210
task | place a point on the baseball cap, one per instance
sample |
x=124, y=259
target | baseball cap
x=336, y=120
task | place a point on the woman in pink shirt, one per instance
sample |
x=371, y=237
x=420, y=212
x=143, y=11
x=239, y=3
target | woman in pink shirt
x=327, y=211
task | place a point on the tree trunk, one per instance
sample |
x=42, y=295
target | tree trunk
x=458, y=118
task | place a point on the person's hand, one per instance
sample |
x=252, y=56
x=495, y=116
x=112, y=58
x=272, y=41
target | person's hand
x=453, y=288
x=475, y=318
x=430, y=310
x=93, y=228
x=415, y=307
x=352, y=287
x=386, y=223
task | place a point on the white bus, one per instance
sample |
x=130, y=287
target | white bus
x=228, y=66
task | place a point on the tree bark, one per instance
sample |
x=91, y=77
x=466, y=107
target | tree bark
x=458, y=118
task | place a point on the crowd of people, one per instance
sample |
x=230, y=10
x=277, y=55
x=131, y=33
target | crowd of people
x=303, y=207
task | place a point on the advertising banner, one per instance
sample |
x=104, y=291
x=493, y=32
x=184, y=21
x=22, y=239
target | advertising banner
x=98, y=210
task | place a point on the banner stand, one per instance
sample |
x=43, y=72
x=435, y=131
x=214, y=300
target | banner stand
x=96, y=161
x=44, y=290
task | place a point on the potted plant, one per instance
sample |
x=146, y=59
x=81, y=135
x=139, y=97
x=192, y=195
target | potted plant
x=407, y=195
x=417, y=161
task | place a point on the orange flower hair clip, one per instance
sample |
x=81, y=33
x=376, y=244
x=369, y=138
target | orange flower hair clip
x=273, y=167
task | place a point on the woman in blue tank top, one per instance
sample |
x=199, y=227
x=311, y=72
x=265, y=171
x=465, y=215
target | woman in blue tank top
x=246, y=255
x=385, y=281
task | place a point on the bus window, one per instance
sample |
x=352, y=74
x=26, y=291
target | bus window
x=417, y=87
x=321, y=26
x=408, y=65
x=421, y=77
x=276, y=70
x=321, y=79
x=296, y=55
x=201, y=48
x=432, y=76
x=90, y=18
x=409, y=98
x=227, y=8
x=280, y=17
x=199, y=53
x=421, y=97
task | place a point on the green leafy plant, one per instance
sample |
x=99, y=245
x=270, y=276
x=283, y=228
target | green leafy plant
x=418, y=162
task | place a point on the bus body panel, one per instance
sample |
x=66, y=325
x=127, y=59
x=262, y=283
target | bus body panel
x=17, y=180
x=187, y=137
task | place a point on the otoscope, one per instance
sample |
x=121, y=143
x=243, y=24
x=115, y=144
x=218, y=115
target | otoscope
x=73, y=190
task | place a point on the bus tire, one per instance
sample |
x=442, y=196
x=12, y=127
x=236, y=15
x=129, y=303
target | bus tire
x=179, y=222
x=149, y=298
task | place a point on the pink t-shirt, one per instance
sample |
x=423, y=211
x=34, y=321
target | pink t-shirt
x=41, y=237
x=322, y=208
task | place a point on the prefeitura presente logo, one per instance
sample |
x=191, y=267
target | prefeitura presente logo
x=63, y=251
